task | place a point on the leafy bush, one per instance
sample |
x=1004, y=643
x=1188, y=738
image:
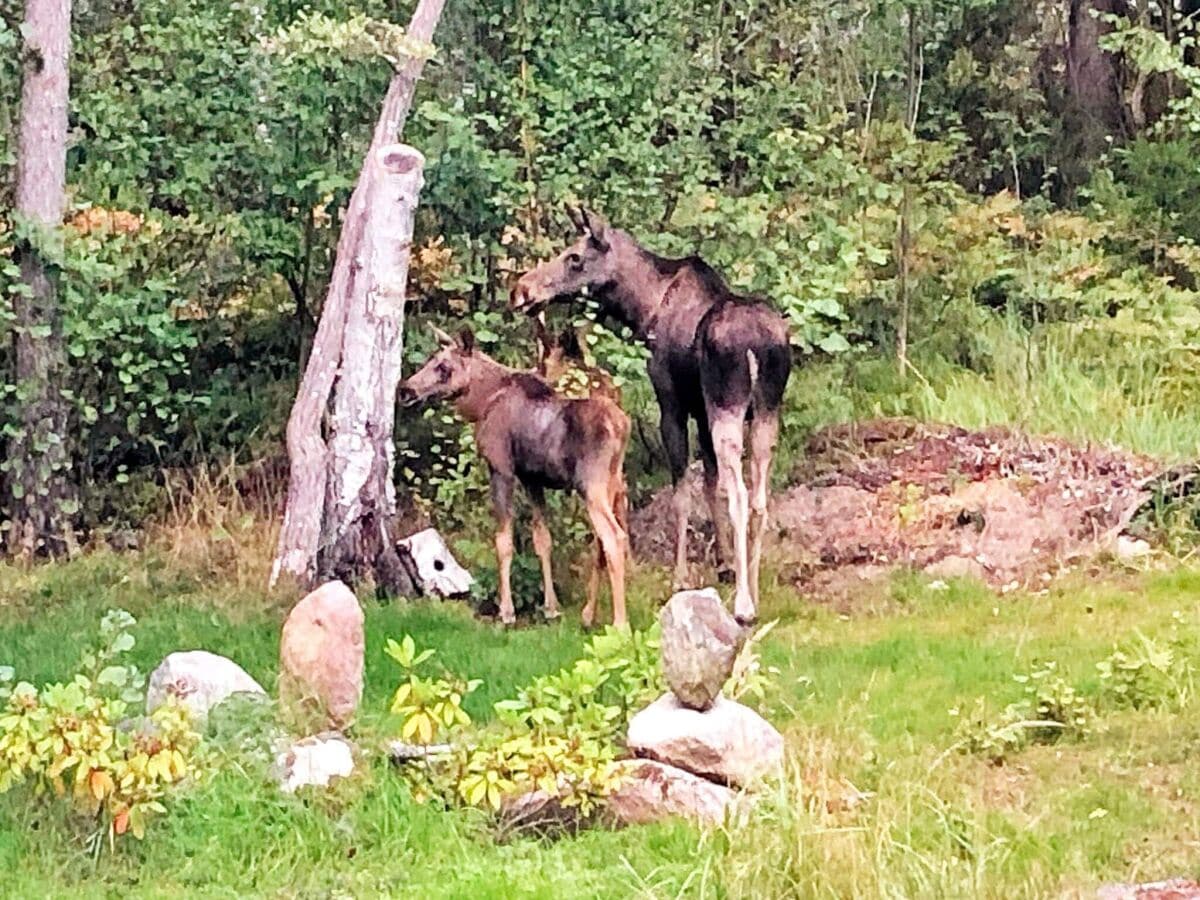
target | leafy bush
x=74, y=737
x=426, y=706
x=558, y=735
x=1050, y=710
x=1143, y=673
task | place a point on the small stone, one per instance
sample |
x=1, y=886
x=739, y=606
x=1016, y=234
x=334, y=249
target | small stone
x=728, y=743
x=700, y=642
x=200, y=680
x=1128, y=549
x=315, y=762
x=957, y=567
x=321, y=659
x=438, y=572
x=651, y=791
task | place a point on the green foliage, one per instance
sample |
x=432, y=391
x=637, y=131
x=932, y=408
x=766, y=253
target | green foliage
x=1144, y=673
x=70, y=737
x=558, y=735
x=427, y=706
x=1050, y=710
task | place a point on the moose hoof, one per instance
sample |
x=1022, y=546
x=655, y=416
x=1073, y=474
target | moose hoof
x=746, y=621
x=552, y=614
x=508, y=621
x=725, y=576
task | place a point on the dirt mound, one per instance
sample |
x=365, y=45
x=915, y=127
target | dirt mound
x=876, y=495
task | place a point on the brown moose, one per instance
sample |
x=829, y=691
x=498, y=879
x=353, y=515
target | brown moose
x=716, y=357
x=528, y=433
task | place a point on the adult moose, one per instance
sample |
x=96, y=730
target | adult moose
x=528, y=433
x=716, y=357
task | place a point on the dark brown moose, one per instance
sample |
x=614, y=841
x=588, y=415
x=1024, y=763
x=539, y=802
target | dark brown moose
x=528, y=433
x=716, y=357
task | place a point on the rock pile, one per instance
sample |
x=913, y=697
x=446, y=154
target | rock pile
x=696, y=747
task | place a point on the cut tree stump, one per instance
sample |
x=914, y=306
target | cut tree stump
x=341, y=500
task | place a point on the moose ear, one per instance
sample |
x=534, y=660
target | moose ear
x=442, y=338
x=576, y=216
x=595, y=227
x=466, y=340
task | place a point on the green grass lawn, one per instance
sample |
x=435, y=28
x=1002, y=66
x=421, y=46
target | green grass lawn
x=863, y=699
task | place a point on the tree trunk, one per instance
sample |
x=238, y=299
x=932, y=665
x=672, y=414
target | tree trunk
x=38, y=462
x=301, y=553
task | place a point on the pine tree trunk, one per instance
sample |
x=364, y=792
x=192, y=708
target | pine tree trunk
x=333, y=486
x=38, y=462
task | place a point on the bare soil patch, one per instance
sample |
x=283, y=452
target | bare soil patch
x=871, y=497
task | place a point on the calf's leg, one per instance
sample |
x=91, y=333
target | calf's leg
x=728, y=440
x=541, y=546
x=764, y=432
x=611, y=537
x=502, y=486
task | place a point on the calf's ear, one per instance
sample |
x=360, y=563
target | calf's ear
x=466, y=340
x=595, y=227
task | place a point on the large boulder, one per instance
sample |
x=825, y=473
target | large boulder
x=700, y=641
x=728, y=743
x=198, y=679
x=652, y=791
x=321, y=659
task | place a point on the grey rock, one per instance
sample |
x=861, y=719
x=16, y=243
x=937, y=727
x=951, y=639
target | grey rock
x=652, y=791
x=200, y=680
x=700, y=642
x=728, y=743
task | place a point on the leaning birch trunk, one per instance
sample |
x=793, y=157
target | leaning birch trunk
x=299, y=551
x=360, y=495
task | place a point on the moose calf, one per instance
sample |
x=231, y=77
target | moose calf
x=528, y=433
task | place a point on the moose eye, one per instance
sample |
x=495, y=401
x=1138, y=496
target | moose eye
x=575, y=261
x=443, y=371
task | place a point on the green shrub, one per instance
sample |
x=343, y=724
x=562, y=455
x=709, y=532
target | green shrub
x=1143, y=673
x=71, y=739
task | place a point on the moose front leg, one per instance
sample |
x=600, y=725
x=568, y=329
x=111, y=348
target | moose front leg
x=502, y=487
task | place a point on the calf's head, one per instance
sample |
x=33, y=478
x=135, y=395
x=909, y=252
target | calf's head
x=588, y=264
x=445, y=375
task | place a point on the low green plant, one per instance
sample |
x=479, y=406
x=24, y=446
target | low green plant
x=72, y=738
x=558, y=735
x=749, y=677
x=1144, y=673
x=427, y=706
x=1050, y=710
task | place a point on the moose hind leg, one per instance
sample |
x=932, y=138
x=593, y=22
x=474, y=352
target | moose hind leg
x=764, y=433
x=673, y=427
x=542, y=544
x=611, y=537
x=728, y=440
x=720, y=526
x=593, y=588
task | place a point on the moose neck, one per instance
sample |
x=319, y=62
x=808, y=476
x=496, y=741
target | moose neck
x=635, y=295
x=487, y=377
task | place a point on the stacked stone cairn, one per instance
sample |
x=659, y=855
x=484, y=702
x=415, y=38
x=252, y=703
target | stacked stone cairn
x=697, y=752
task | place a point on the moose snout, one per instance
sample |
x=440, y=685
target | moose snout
x=406, y=395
